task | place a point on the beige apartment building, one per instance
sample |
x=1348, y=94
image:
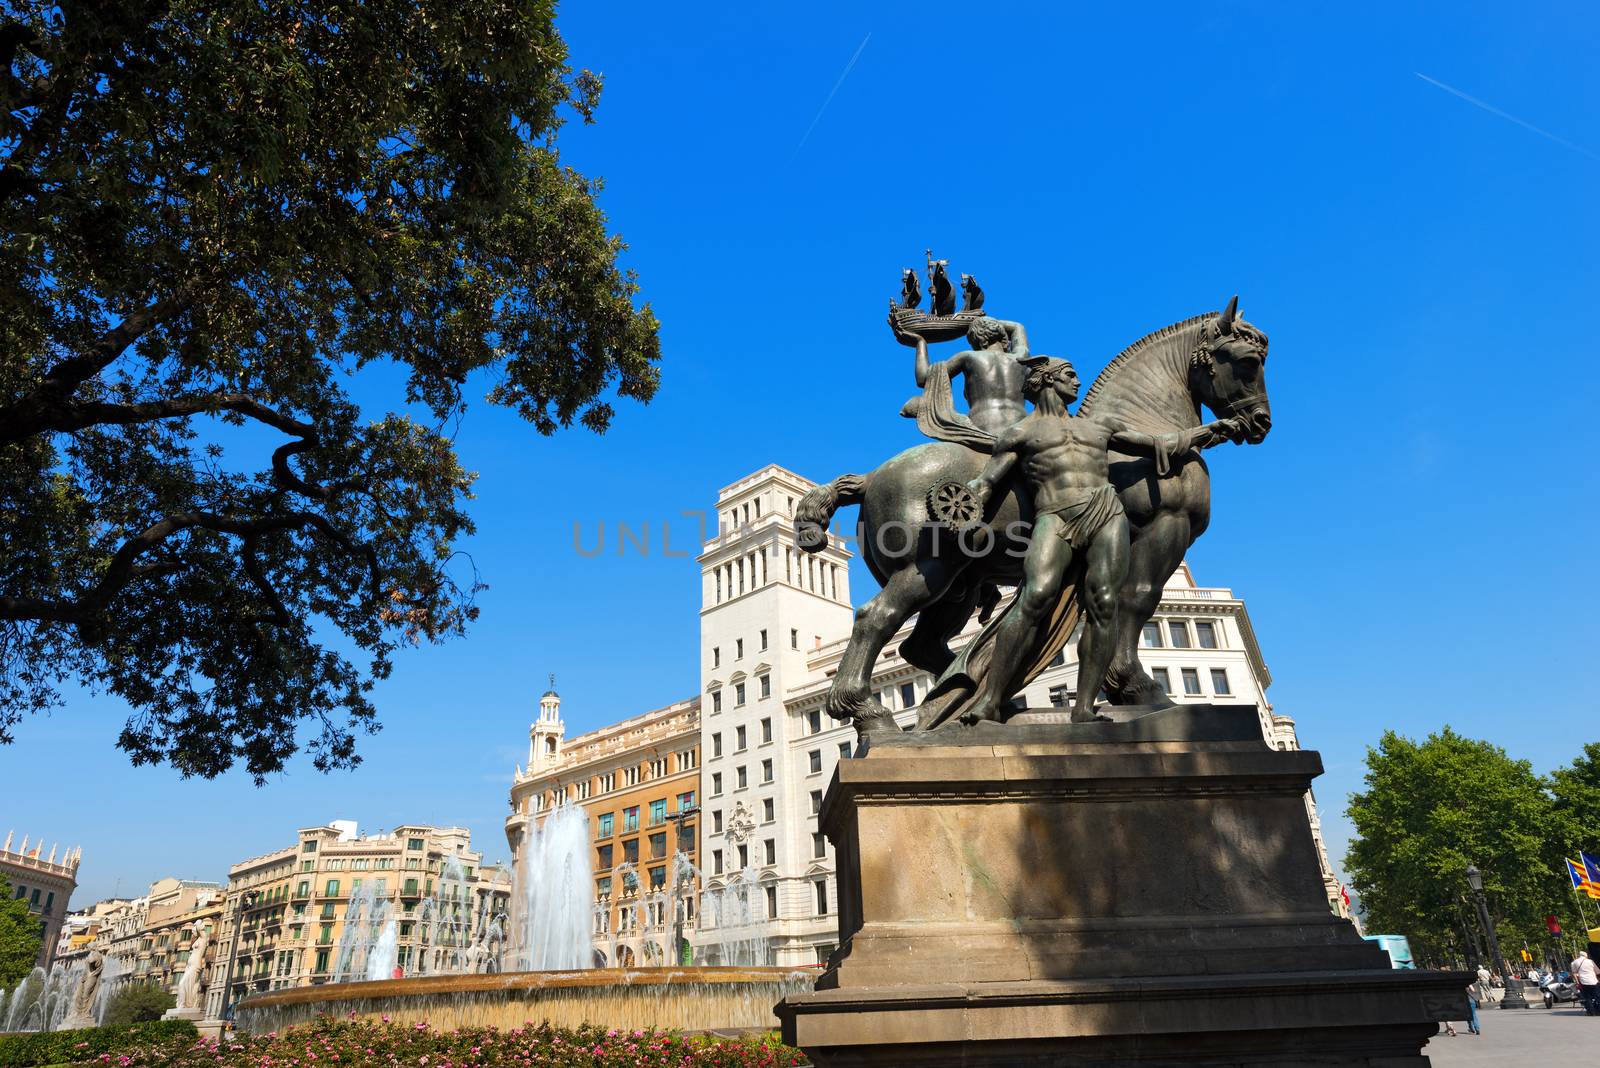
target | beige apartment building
x=284, y=911
x=638, y=781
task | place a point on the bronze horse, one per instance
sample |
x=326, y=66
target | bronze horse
x=1158, y=384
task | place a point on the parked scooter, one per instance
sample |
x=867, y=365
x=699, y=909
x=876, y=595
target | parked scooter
x=1554, y=991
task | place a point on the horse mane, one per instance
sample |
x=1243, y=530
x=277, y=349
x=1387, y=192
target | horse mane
x=1123, y=358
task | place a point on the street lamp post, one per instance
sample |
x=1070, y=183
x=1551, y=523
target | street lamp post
x=1513, y=998
x=678, y=941
x=246, y=900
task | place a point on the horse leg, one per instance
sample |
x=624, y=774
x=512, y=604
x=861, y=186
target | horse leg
x=1155, y=555
x=912, y=588
x=928, y=645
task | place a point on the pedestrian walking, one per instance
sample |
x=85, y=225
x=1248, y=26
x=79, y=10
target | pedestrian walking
x=1587, y=976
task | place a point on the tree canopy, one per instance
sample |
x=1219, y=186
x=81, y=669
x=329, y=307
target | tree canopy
x=20, y=937
x=1431, y=808
x=213, y=217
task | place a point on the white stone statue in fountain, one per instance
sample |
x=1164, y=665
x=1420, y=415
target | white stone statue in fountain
x=189, y=987
x=480, y=959
x=86, y=995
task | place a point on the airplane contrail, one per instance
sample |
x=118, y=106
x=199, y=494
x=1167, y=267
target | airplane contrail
x=1491, y=109
x=848, y=67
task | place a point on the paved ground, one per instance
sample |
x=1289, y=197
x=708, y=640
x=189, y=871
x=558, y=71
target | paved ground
x=1511, y=1037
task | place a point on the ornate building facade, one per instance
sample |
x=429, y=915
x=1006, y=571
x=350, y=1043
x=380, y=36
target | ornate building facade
x=638, y=782
x=45, y=883
x=284, y=912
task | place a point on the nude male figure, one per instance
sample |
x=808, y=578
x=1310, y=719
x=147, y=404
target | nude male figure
x=992, y=377
x=1078, y=517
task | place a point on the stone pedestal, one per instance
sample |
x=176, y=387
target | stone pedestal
x=194, y=1016
x=1144, y=892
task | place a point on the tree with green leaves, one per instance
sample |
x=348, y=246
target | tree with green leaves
x=137, y=1003
x=20, y=937
x=1576, y=789
x=1431, y=808
x=215, y=220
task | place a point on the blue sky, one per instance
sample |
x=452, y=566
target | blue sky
x=1411, y=540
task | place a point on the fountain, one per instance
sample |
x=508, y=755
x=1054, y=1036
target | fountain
x=43, y=1000
x=551, y=945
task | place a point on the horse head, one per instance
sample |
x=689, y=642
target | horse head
x=1228, y=372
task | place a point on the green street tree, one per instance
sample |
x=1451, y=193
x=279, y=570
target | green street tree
x=216, y=220
x=20, y=937
x=1427, y=811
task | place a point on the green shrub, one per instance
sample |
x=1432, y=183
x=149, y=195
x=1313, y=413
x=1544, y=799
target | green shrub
x=136, y=1003
x=71, y=1047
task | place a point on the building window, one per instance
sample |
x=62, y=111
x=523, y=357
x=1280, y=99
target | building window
x=794, y=638
x=716, y=784
x=331, y=889
x=1191, y=682
x=1163, y=679
x=414, y=844
x=744, y=857
x=772, y=902
x=766, y=730
x=658, y=812
x=819, y=845
x=768, y=810
x=844, y=750
x=658, y=845
x=1206, y=632
x=716, y=656
x=603, y=857
x=1219, y=682
x=1060, y=659
x=770, y=848
x=716, y=700
x=716, y=745
x=766, y=771
x=822, y=896
x=630, y=851
x=738, y=694
x=1178, y=631
x=739, y=738
x=743, y=777
x=814, y=721
x=321, y=964
x=738, y=648
x=816, y=802
x=686, y=801
x=608, y=782
x=309, y=847
x=1151, y=636
x=766, y=685
x=716, y=860
x=630, y=819
x=908, y=695
x=716, y=821
x=815, y=758
x=763, y=639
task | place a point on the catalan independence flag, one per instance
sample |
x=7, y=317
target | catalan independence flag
x=1591, y=868
x=1579, y=875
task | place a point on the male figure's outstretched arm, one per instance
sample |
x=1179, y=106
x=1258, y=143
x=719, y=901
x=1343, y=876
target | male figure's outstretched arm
x=1165, y=446
x=1001, y=461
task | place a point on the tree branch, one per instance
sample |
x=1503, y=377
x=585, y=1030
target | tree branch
x=124, y=569
x=50, y=401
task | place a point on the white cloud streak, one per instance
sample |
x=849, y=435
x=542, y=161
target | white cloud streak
x=1491, y=109
x=848, y=67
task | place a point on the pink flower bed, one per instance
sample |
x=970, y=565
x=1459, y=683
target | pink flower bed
x=333, y=1043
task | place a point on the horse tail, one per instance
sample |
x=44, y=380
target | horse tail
x=816, y=509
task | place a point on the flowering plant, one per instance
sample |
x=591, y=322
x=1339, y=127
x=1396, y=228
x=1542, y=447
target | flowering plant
x=330, y=1043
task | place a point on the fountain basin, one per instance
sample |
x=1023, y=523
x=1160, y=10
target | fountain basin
x=689, y=999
